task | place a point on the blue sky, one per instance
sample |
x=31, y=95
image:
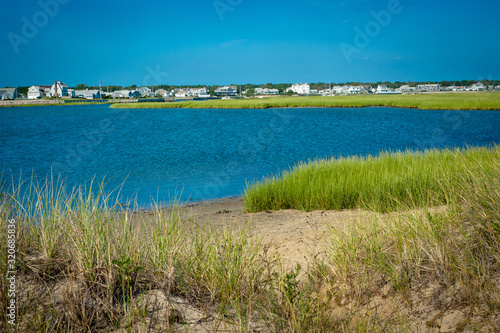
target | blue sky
x=247, y=41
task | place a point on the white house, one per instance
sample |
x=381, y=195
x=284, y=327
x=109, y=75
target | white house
x=8, y=93
x=182, y=93
x=406, y=88
x=355, y=90
x=164, y=93
x=266, y=91
x=145, y=91
x=227, y=91
x=88, y=94
x=200, y=92
x=478, y=86
x=382, y=89
x=300, y=88
x=126, y=94
x=60, y=88
x=428, y=87
x=35, y=92
x=337, y=89
x=326, y=92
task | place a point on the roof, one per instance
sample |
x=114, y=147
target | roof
x=8, y=90
x=77, y=92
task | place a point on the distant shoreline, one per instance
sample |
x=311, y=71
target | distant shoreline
x=428, y=101
x=46, y=102
x=450, y=101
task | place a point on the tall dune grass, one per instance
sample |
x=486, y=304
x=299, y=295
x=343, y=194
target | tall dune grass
x=85, y=264
x=448, y=101
x=446, y=261
x=380, y=183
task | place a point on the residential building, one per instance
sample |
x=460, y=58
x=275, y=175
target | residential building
x=183, y=93
x=227, y=91
x=145, y=91
x=478, y=86
x=300, y=88
x=355, y=90
x=60, y=88
x=266, y=91
x=406, y=89
x=35, y=92
x=428, y=87
x=200, y=92
x=88, y=94
x=337, y=90
x=164, y=93
x=8, y=93
x=126, y=94
x=382, y=89
x=326, y=92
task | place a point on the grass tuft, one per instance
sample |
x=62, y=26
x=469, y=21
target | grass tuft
x=383, y=183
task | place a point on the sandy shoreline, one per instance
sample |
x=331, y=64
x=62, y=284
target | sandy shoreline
x=296, y=235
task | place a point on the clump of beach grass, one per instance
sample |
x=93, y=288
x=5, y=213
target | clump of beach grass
x=381, y=183
x=439, y=261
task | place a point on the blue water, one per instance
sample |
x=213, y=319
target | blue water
x=157, y=154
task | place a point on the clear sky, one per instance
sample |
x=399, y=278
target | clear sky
x=247, y=41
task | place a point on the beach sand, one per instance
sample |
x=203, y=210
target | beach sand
x=296, y=235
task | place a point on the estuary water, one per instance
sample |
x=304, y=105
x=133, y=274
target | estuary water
x=156, y=155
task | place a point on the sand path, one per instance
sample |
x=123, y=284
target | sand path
x=296, y=235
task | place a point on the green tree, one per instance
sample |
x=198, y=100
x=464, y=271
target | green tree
x=81, y=86
x=211, y=91
x=250, y=92
x=23, y=90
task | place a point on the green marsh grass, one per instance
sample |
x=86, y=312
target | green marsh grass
x=382, y=183
x=445, y=101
